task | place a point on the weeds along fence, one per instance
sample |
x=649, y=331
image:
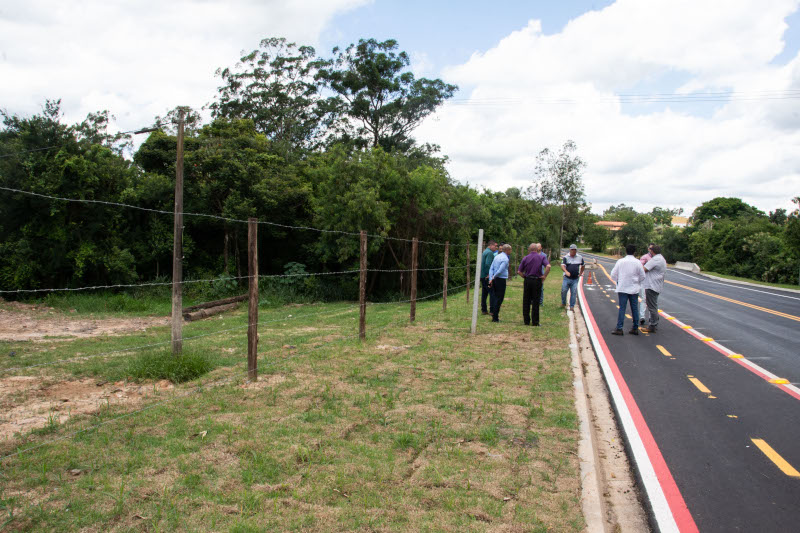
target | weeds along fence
x=379, y=310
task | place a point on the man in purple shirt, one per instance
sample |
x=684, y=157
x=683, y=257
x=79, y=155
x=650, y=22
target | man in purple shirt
x=530, y=268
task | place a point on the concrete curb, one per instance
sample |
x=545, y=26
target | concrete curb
x=591, y=491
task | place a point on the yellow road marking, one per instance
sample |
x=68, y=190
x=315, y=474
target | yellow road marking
x=671, y=318
x=707, y=339
x=686, y=327
x=629, y=316
x=699, y=384
x=735, y=356
x=745, y=304
x=732, y=416
x=663, y=350
x=779, y=381
x=775, y=457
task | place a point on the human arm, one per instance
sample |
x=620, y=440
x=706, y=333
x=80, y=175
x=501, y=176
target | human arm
x=583, y=267
x=615, y=272
x=564, y=266
x=546, y=272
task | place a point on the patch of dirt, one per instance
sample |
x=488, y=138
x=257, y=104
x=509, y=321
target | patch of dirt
x=24, y=322
x=385, y=347
x=50, y=403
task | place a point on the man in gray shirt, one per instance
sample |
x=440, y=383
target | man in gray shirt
x=654, y=271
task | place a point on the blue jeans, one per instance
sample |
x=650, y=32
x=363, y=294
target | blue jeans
x=623, y=299
x=570, y=285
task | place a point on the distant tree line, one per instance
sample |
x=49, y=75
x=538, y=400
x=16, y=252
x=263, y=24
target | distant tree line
x=725, y=235
x=295, y=139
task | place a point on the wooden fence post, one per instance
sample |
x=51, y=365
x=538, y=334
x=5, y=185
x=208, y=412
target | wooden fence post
x=414, y=252
x=444, y=290
x=252, y=316
x=477, y=279
x=177, y=247
x=468, y=272
x=362, y=289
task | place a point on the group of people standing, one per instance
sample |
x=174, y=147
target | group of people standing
x=639, y=278
x=534, y=268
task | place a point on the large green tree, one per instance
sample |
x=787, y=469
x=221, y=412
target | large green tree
x=378, y=93
x=275, y=86
x=559, y=182
x=722, y=207
x=50, y=243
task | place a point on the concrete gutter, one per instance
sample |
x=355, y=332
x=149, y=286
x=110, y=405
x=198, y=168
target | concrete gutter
x=591, y=489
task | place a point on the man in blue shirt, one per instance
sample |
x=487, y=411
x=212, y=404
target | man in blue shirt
x=486, y=264
x=498, y=275
x=534, y=268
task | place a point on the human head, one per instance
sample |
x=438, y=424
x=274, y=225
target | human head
x=650, y=247
x=532, y=247
x=538, y=246
x=506, y=249
x=656, y=249
x=573, y=249
x=492, y=245
x=630, y=249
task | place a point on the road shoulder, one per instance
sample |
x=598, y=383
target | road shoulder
x=610, y=495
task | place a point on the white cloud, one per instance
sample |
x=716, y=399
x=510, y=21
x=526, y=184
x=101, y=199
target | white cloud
x=138, y=59
x=534, y=90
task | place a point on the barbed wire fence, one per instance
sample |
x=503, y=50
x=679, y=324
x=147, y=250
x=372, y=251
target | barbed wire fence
x=253, y=325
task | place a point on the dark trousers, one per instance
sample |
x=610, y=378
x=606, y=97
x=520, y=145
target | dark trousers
x=531, y=293
x=496, y=297
x=484, y=293
x=651, y=301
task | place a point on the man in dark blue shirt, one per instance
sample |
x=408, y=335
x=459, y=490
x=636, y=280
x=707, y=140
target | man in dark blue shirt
x=534, y=268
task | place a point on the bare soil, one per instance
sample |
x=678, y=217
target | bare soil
x=30, y=402
x=25, y=322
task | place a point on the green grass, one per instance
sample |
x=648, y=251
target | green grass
x=421, y=427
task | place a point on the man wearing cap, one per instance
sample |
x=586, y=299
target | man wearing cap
x=573, y=266
x=534, y=267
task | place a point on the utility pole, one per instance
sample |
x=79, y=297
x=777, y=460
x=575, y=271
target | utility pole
x=177, y=247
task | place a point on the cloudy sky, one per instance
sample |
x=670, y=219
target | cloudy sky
x=671, y=102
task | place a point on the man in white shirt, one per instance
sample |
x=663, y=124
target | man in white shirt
x=655, y=270
x=643, y=260
x=628, y=274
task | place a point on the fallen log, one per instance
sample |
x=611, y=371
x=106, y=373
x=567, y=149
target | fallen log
x=215, y=303
x=205, y=313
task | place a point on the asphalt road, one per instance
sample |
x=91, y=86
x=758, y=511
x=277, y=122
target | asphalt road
x=729, y=438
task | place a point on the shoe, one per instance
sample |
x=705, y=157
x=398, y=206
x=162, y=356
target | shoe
x=634, y=331
x=495, y=320
x=641, y=321
x=572, y=309
x=649, y=329
x=535, y=325
x=563, y=305
x=617, y=332
x=485, y=312
x=527, y=323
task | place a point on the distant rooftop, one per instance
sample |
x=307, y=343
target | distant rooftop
x=612, y=225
